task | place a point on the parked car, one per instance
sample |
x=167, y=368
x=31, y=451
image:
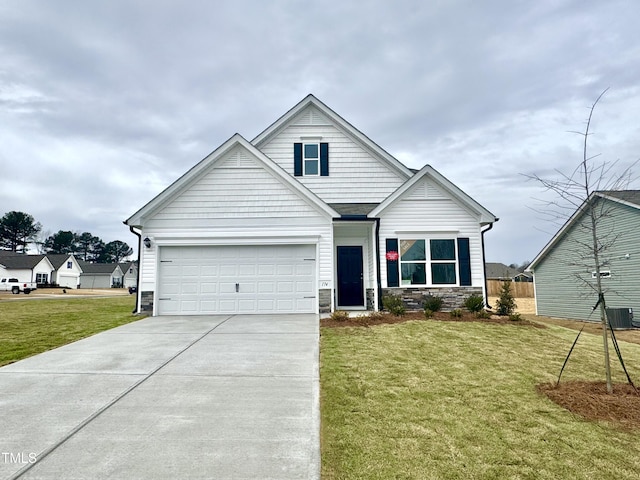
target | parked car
x=133, y=290
x=14, y=286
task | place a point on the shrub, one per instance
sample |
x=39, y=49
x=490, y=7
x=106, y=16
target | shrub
x=515, y=317
x=474, y=303
x=456, y=313
x=433, y=303
x=376, y=315
x=483, y=314
x=340, y=316
x=505, y=305
x=394, y=305
x=428, y=313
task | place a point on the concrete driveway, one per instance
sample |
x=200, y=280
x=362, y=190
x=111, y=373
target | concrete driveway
x=207, y=397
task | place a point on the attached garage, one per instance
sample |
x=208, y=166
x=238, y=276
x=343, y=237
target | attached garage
x=229, y=279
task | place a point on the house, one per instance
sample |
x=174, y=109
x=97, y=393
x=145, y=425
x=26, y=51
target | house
x=564, y=271
x=310, y=216
x=100, y=275
x=503, y=273
x=26, y=268
x=66, y=270
x=130, y=272
x=499, y=271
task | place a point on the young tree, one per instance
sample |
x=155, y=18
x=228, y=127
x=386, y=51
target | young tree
x=17, y=229
x=576, y=193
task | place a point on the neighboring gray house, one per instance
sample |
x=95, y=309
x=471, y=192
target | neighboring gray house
x=100, y=275
x=499, y=271
x=26, y=268
x=562, y=288
x=130, y=271
x=310, y=216
x=66, y=270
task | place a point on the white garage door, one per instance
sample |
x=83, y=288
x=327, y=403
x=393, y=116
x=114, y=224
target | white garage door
x=237, y=279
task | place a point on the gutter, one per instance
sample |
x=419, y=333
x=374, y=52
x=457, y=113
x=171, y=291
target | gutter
x=378, y=281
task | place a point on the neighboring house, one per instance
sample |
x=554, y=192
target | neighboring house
x=100, y=275
x=310, y=216
x=130, y=271
x=26, y=268
x=563, y=288
x=66, y=270
x=501, y=272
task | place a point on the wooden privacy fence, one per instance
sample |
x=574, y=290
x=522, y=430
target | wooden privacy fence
x=518, y=289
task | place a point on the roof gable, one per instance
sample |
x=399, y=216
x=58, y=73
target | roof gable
x=437, y=187
x=630, y=198
x=100, y=268
x=311, y=111
x=19, y=261
x=235, y=153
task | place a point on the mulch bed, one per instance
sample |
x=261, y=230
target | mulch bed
x=387, y=318
x=591, y=401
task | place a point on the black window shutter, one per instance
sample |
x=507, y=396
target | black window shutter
x=393, y=272
x=324, y=159
x=464, y=262
x=297, y=159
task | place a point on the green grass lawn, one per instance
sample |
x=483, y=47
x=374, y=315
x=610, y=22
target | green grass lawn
x=446, y=400
x=28, y=327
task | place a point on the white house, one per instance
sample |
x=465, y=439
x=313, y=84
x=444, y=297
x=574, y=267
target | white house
x=66, y=270
x=309, y=216
x=130, y=274
x=26, y=268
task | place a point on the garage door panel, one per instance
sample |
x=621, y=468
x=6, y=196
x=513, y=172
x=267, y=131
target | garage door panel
x=270, y=279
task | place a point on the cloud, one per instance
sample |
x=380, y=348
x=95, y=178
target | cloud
x=102, y=105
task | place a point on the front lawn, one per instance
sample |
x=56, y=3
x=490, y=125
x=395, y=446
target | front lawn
x=455, y=400
x=28, y=327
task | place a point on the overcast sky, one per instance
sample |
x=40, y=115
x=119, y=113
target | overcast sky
x=104, y=104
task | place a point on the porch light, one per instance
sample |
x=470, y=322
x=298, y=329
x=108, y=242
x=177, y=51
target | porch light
x=147, y=242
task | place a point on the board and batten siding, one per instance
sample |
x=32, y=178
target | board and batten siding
x=426, y=211
x=236, y=199
x=560, y=294
x=355, y=174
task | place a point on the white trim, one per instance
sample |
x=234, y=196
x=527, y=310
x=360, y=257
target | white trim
x=165, y=197
x=187, y=240
x=484, y=215
x=339, y=123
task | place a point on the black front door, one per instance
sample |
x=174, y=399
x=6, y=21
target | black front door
x=350, y=283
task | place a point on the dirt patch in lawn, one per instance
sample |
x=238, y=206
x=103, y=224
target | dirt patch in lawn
x=591, y=401
x=365, y=320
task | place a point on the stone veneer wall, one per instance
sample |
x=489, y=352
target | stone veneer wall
x=146, y=302
x=324, y=300
x=413, y=298
x=370, y=299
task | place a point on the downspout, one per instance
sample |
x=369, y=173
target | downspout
x=484, y=265
x=378, y=281
x=139, y=235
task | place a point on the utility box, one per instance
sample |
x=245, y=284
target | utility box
x=620, y=318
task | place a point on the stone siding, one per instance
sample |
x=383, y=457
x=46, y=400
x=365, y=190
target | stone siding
x=413, y=297
x=324, y=300
x=146, y=302
x=370, y=299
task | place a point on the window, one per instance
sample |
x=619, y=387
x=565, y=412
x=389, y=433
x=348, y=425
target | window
x=311, y=158
x=436, y=266
x=69, y=264
x=42, y=278
x=413, y=262
x=603, y=274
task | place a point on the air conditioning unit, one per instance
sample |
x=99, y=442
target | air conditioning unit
x=621, y=318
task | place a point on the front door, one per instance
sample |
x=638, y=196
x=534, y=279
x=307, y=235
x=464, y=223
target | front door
x=350, y=282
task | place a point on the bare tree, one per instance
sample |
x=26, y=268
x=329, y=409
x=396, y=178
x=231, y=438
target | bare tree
x=577, y=197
